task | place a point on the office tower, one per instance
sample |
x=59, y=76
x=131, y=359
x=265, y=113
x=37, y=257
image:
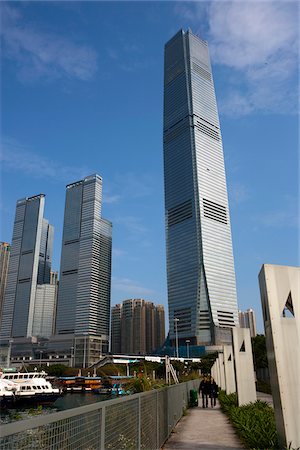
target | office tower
x=44, y=310
x=4, y=261
x=247, y=320
x=83, y=304
x=159, y=326
x=53, y=277
x=45, y=256
x=200, y=266
x=115, y=331
x=19, y=299
x=137, y=327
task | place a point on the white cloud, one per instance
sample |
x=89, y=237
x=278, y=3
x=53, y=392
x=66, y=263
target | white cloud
x=238, y=193
x=109, y=198
x=278, y=219
x=116, y=252
x=285, y=217
x=44, y=55
x=249, y=33
x=259, y=42
x=133, y=224
x=130, y=287
x=15, y=157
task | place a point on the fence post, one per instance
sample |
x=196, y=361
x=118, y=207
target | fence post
x=139, y=423
x=102, y=442
x=157, y=421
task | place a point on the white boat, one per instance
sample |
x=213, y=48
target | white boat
x=31, y=387
x=7, y=392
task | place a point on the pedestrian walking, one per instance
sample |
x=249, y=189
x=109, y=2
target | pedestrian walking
x=213, y=392
x=204, y=389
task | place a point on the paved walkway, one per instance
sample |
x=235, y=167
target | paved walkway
x=204, y=429
x=265, y=398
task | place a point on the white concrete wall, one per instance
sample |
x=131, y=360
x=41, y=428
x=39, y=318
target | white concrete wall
x=244, y=369
x=222, y=371
x=283, y=347
x=229, y=369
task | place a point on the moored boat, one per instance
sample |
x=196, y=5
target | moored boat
x=7, y=393
x=31, y=387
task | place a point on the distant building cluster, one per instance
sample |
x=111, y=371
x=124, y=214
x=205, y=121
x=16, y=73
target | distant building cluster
x=72, y=316
x=247, y=320
x=137, y=327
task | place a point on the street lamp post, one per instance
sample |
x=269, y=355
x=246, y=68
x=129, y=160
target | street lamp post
x=41, y=352
x=176, y=320
x=9, y=353
x=84, y=350
x=187, y=348
x=72, y=356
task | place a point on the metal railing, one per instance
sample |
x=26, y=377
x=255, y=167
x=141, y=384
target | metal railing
x=141, y=421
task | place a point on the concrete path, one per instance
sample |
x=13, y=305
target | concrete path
x=265, y=398
x=204, y=429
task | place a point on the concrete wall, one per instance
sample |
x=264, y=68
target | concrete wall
x=229, y=369
x=244, y=369
x=280, y=297
x=222, y=372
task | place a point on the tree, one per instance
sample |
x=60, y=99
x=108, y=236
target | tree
x=259, y=350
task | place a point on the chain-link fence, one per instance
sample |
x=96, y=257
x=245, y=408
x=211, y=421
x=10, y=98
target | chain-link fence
x=141, y=421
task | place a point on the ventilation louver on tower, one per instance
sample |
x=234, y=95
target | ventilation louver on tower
x=214, y=211
x=208, y=131
x=202, y=72
x=225, y=318
x=180, y=213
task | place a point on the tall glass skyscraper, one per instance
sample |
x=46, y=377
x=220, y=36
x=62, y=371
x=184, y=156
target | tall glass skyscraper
x=83, y=305
x=200, y=267
x=29, y=264
x=45, y=255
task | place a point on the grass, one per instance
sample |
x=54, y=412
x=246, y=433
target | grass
x=254, y=423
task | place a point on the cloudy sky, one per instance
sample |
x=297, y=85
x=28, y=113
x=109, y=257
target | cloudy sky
x=82, y=92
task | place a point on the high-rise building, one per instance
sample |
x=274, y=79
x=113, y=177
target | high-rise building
x=115, y=331
x=45, y=255
x=44, y=310
x=83, y=304
x=247, y=320
x=200, y=267
x=26, y=262
x=137, y=327
x=4, y=261
x=159, y=326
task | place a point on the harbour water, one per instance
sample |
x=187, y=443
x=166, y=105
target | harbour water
x=66, y=401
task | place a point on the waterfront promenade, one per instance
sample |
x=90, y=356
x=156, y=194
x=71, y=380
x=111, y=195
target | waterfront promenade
x=204, y=429
x=207, y=429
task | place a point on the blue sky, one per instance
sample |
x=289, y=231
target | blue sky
x=82, y=92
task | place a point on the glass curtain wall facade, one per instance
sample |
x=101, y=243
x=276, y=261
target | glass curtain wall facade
x=19, y=299
x=200, y=266
x=83, y=305
x=45, y=255
x=4, y=262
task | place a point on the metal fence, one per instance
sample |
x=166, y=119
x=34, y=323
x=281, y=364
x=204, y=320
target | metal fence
x=141, y=421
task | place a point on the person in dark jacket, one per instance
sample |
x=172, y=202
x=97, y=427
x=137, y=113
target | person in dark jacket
x=213, y=392
x=204, y=390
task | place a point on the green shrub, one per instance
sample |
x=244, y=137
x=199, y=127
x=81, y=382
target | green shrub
x=261, y=386
x=227, y=401
x=254, y=423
